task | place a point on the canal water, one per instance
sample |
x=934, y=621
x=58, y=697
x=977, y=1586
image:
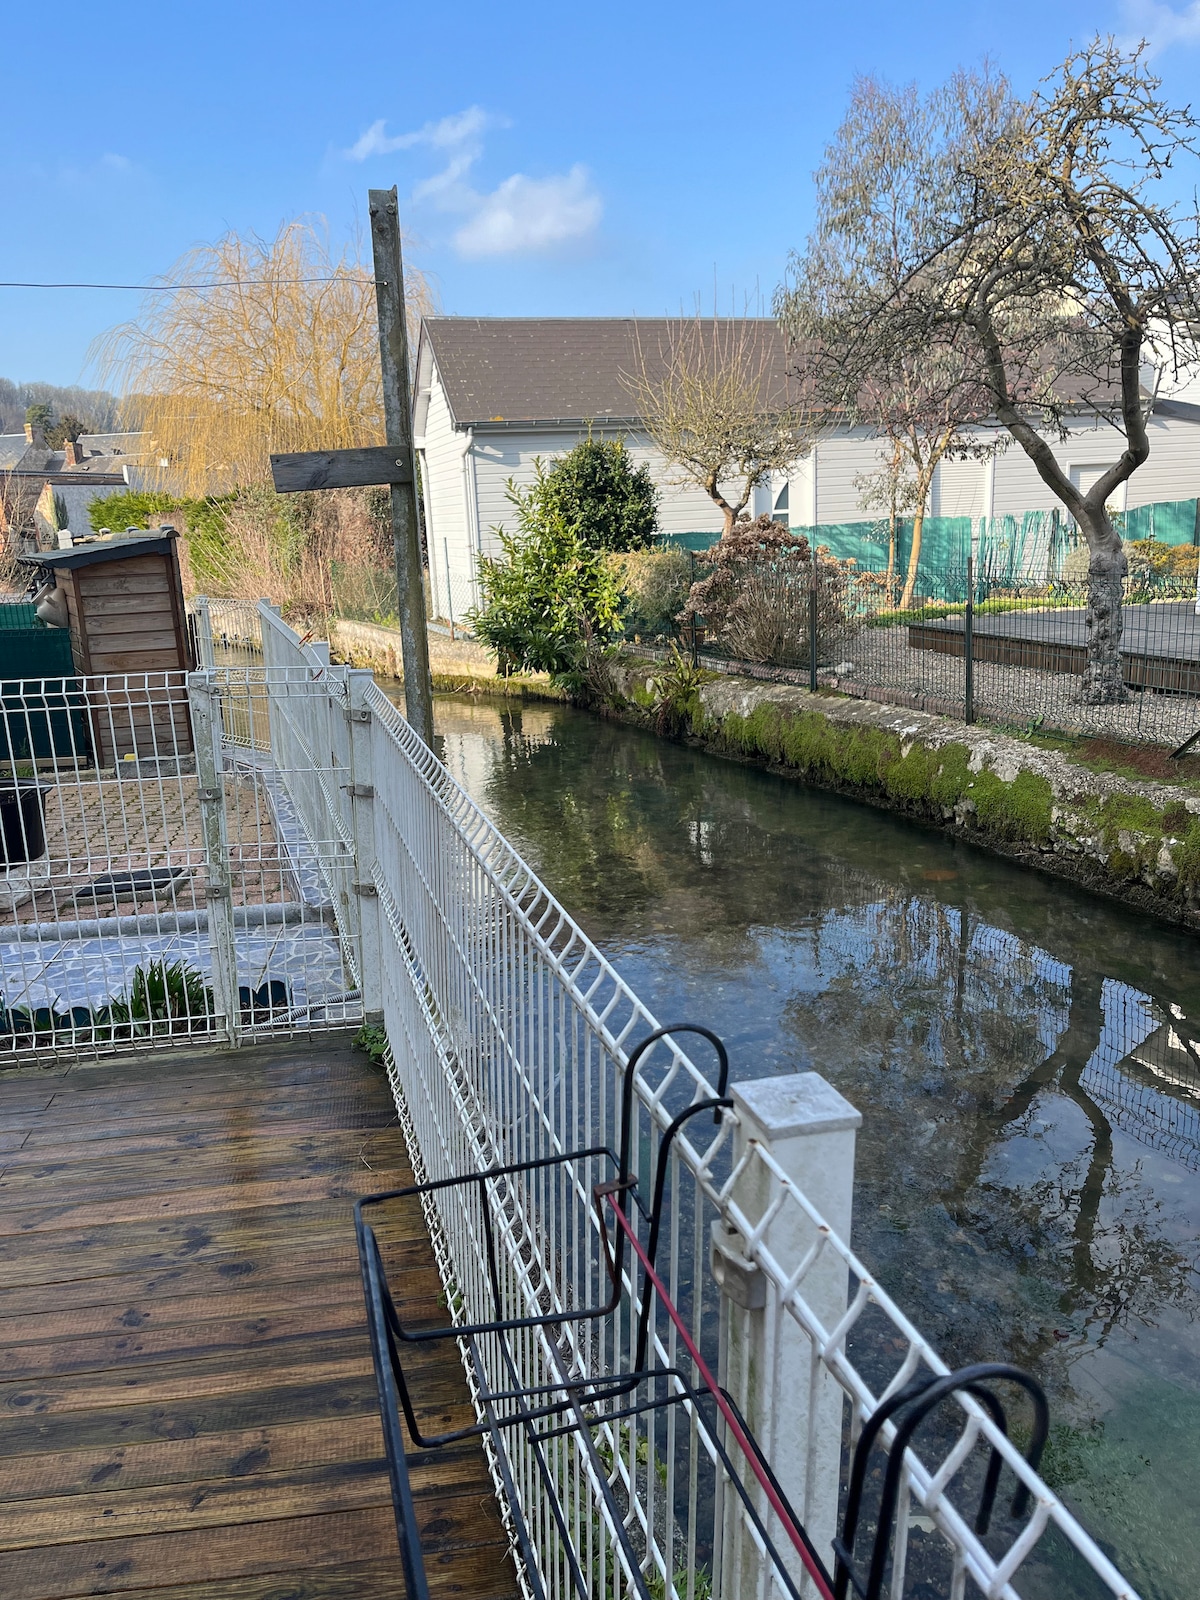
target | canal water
x=1028, y=1181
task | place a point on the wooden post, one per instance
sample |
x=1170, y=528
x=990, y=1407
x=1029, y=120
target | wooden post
x=397, y=414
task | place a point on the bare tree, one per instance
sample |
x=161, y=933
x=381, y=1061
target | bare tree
x=1038, y=242
x=282, y=354
x=925, y=409
x=717, y=400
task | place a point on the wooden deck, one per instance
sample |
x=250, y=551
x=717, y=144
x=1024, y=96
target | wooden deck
x=187, y=1406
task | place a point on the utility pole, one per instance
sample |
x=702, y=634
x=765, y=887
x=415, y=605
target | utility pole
x=397, y=415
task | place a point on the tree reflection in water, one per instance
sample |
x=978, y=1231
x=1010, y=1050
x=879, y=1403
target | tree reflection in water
x=1027, y=1184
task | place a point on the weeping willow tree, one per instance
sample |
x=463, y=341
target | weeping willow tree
x=253, y=345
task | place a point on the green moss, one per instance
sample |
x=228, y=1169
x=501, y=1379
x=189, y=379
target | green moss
x=1019, y=810
x=1127, y=813
x=1122, y=865
x=1186, y=855
x=1177, y=819
x=953, y=776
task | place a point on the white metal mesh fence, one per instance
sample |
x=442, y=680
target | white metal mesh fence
x=228, y=855
x=509, y=1034
x=158, y=879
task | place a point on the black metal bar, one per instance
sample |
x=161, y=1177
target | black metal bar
x=408, y=1535
x=969, y=646
x=695, y=638
x=921, y=1396
x=812, y=623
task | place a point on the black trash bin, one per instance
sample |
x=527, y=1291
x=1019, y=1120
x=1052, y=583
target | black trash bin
x=22, y=824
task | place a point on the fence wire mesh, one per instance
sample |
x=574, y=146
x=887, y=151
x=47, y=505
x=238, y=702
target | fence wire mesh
x=509, y=1035
x=159, y=881
x=1009, y=651
x=270, y=844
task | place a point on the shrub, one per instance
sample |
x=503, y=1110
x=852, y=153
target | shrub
x=654, y=587
x=546, y=595
x=597, y=491
x=116, y=512
x=754, y=600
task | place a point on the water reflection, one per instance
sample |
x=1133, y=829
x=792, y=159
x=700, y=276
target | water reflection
x=1029, y=1169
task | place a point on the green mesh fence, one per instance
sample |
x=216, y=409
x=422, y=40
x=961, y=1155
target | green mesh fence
x=1033, y=544
x=19, y=614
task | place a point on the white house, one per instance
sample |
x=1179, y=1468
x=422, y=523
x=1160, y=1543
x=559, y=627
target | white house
x=494, y=393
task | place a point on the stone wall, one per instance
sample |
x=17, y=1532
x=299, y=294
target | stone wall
x=453, y=663
x=1136, y=841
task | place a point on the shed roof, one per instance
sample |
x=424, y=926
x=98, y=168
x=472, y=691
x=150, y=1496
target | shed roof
x=506, y=370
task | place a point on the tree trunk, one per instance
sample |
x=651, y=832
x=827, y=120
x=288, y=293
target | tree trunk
x=914, y=557
x=1103, y=681
x=889, y=582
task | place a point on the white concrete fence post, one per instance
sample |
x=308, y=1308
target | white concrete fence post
x=768, y=1364
x=362, y=795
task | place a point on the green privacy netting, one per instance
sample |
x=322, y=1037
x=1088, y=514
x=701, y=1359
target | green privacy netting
x=1170, y=522
x=1033, y=544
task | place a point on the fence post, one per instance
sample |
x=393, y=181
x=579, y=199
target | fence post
x=792, y=1403
x=812, y=625
x=204, y=634
x=449, y=590
x=207, y=729
x=362, y=795
x=695, y=639
x=969, y=646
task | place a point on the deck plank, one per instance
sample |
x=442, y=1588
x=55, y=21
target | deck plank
x=187, y=1408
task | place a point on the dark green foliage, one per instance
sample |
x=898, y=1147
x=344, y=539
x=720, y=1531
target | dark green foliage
x=545, y=596
x=116, y=512
x=40, y=414
x=596, y=490
x=677, y=707
x=373, y=1041
x=159, y=992
x=163, y=991
x=67, y=427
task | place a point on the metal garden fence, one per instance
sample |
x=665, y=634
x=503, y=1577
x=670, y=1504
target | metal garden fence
x=687, y=1383
x=1009, y=652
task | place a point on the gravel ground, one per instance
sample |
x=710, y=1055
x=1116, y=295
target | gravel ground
x=884, y=663
x=878, y=664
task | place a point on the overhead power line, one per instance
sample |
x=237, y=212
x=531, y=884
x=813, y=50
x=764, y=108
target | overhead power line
x=181, y=288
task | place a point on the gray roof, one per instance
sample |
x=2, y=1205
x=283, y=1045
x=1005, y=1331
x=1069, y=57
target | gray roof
x=77, y=500
x=114, y=444
x=12, y=447
x=505, y=370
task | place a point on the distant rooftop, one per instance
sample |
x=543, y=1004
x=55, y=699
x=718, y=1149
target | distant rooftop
x=561, y=369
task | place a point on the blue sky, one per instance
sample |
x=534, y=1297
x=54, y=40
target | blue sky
x=597, y=159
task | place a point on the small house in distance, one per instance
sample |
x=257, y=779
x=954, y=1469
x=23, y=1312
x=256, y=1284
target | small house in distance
x=494, y=393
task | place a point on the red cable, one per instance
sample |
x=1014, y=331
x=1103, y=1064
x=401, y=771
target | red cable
x=735, y=1427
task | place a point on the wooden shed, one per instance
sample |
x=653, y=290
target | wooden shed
x=126, y=617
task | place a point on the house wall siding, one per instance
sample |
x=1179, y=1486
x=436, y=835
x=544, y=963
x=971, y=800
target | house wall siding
x=447, y=527
x=499, y=457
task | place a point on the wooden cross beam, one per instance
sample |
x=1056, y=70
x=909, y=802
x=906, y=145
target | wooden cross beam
x=341, y=469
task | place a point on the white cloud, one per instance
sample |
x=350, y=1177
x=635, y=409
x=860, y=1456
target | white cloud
x=1161, y=25
x=521, y=216
x=529, y=216
x=464, y=128
x=116, y=163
